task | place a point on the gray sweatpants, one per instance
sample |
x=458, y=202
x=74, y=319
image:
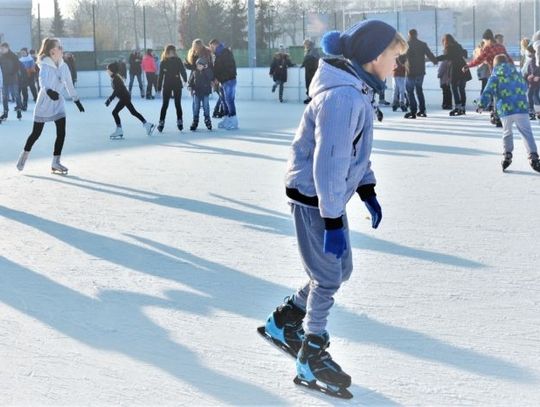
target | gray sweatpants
x=325, y=271
x=523, y=124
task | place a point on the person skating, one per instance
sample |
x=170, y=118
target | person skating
x=124, y=100
x=135, y=70
x=278, y=71
x=10, y=67
x=508, y=88
x=171, y=75
x=329, y=162
x=225, y=74
x=310, y=64
x=54, y=77
x=27, y=77
x=400, y=95
x=200, y=85
x=149, y=67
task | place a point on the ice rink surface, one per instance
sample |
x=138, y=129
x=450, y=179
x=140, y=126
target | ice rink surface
x=140, y=278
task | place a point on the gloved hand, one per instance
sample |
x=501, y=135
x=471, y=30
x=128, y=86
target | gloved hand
x=52, y=94
x=374, y=209
x=79, y=105
x=334, y=242
x=107, y=102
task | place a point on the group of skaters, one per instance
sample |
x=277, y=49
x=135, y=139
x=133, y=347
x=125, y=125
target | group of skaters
x=212, y=68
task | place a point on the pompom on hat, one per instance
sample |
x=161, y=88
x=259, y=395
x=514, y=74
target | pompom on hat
x=363, y=42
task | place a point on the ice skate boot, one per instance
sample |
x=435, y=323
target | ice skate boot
x=232, y=124
x=19, y=114
x=316, y=370
x=460, y=112
x=180, y=124
x=4, y=116
x=223, y=123
x=208, y=123
x=161, y=126
x=422, y=114
x=403, y=107
x=410, y=115
x=534, y=161
x=194, y=124
x=117, y=134
x=22, y=160
x=284, y=327
x=58, y=168
x=507, y=160
x=453, y=112
x=149, y=127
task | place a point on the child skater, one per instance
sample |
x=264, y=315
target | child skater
x=54, y=77
x=329, y=162
x=200, y=83
x=124, y=100
x=508, y=88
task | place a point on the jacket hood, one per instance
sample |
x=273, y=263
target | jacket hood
x=50, y=62
x=333, y=73
x=504, y=69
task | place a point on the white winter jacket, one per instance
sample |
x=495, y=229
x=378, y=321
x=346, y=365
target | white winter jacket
x=57, y=78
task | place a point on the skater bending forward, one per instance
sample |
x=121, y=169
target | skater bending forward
x=328, y=164
x=124, y=100
x=54, y=77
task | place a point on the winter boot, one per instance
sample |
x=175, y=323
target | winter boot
x=149, y=127
x=58, y=168
x=453, y=112
x=507, y=160
x=314, y=364
x=422, y=114
x=180, y=124
x=534, y=161
x=284, y=325
x=117, y=134
x=208, y=123
x=194, y=124
x=22, y=160
x=161, y=126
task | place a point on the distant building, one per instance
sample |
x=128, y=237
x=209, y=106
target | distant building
x=16, y=23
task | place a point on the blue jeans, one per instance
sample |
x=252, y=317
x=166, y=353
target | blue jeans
x=229, y=89
x=415, y=83
x=14, y=91
x=197, y=102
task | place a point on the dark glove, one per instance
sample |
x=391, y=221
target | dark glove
x=107, y=102
x=79, y=106
x=375, y=210
x=334, y=242
x=52, y=94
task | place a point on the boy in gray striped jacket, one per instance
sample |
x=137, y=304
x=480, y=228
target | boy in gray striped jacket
x=329, y=162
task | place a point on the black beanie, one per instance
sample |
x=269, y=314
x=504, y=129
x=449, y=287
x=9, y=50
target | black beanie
x=488, y=35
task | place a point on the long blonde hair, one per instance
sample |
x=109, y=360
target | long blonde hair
x=166, y=51
x=46, y=46
x=203, y=51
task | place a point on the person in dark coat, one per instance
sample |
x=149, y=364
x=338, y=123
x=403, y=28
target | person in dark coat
x=225, y=74
x=171, y=75
x=10, y=66
x=69, y=59
x=278, y=71
x=200, y=84
x=310, y=64
x=416, y=70
x=135, y=70
x=455, y=54
x=122, y=68
x=124, y=100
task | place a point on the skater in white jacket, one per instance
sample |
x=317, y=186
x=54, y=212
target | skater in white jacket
x=54, y=77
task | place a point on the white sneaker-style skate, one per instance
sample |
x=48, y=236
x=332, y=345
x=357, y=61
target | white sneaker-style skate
x=232, y=124
x=223, y=123
x=117, y=134
x=149, y=127
x=58, y=168
x=22, y=160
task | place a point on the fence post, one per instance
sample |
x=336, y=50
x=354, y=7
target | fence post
x=436, y=33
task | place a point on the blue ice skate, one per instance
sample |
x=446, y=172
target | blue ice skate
x=316, y=370
x=284, y=327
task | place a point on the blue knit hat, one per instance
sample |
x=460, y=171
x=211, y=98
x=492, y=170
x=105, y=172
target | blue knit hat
x=363, y=42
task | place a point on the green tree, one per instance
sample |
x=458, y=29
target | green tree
x=236, y=25
x=58, y=24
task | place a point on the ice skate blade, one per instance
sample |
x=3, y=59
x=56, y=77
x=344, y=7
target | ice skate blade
x=58, y=172
x=116, y=137
x=280, y=345
x=324, y=388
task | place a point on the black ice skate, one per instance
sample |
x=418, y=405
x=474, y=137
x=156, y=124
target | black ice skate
x=180, y=125
x=19, y=114
x=507, y=160
x=422, y=114
x=410, y=115
x=208, y=123
x=535, y=162
x=161, y=126
x=4, y=116
x=194, y=124
x=316, y=369
x=284, y=327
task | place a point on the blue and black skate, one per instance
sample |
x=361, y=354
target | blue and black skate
x=317, y=371
x=284, y=327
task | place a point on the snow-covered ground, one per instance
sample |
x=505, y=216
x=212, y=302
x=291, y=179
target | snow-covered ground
x=140, y=278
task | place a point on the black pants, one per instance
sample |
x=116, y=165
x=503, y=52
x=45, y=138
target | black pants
x=458, y=90
x=151, y=81
x=60, y=135
x=447, y=96
x=24, y=92
x=119, y=106
x=175, y=93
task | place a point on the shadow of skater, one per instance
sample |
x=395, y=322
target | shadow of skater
x=114, y=321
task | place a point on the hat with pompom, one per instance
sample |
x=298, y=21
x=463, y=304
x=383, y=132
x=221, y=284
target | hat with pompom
x=363, y=42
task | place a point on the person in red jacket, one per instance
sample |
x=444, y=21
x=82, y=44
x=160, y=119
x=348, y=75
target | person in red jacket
x=149, y=67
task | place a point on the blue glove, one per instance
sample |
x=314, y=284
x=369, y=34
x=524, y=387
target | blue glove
x=374, y=209
x=334, y=242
